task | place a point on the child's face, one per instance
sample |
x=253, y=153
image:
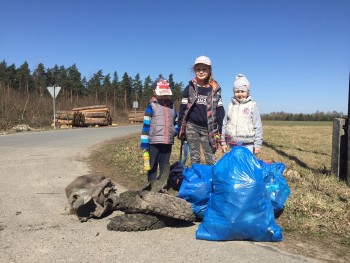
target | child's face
x=202, y=71
x=162, y=97
x=241, y=95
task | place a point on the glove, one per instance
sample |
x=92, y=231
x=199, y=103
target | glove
x=177, y=129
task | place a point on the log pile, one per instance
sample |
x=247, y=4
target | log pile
x=92, y=116
x=64, y=118
x=85, y=116
x=136, y=116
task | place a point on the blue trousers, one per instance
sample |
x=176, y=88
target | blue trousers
x=160, y=156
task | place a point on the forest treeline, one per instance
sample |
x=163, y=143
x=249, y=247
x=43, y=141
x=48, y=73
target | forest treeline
x=107, y=89
x=24, y=97
x=317, y=116
x=24, y=94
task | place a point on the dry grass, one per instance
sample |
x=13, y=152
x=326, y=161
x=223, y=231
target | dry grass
x=36, y=110
x=317, y=212
x=318, y=200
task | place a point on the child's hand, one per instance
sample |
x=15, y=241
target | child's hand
x=224, y=148
x=257, y=150
x=177, y=129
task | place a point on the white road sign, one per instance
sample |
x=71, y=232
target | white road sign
x=54, y=91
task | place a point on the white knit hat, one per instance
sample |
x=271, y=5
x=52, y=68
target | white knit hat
x=203, y=60
x=241, y=83
x=161, y=87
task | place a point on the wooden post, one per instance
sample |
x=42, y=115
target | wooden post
x=338, y=166
x=347, y=176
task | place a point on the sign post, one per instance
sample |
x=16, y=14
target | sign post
x=54, y=92
x=135, y=105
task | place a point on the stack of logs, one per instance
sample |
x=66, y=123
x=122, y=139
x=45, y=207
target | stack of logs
x=65, y=118
x=85, y=116
x=135, y=116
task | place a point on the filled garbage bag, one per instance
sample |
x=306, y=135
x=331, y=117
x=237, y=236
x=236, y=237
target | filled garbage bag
x=196, y=187
x=239, y=207
x=276, y=185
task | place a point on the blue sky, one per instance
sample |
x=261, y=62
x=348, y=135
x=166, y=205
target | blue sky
x=295, y=53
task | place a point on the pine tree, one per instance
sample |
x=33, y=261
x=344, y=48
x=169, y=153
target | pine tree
x=126, y=86
x=63, y=82
x=23, y=77
x=39, y=76
x=4, y=78
x=107, y=87
x=94, y=84
x=171, y=82
x=116, y=90
x=147, y=91
x=75, y=82
x=137, y=87
x=11, y=74
x=177, y=93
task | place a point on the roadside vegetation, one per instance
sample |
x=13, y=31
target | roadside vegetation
x=24, y=98
x=316, y=219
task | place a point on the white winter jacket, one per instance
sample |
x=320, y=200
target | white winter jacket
x=242, y=123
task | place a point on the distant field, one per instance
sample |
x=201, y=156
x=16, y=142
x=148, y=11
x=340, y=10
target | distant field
x=299, y=144
x=298, y=123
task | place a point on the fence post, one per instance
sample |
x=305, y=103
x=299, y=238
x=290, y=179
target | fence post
x=341, y=146
x=347, y=176
x=339, y=149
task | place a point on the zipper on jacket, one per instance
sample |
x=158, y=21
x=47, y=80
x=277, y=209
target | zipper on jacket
x=166, y=124
x=236, y=133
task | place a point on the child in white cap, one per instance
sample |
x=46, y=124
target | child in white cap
x=242, y=123
x=201, y=112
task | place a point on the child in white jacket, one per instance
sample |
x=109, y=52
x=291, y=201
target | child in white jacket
x=242, y=123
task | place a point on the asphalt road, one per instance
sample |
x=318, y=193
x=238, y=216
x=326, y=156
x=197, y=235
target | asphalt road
x=35, y=227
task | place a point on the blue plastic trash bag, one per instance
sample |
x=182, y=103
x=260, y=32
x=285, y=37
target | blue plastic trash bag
x=239, y=207
x=196, y=187
x=276, y=185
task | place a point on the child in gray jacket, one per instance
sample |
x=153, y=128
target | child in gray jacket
x=158, y=130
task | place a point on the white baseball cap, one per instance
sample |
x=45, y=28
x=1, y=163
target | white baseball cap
x=203, y=60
